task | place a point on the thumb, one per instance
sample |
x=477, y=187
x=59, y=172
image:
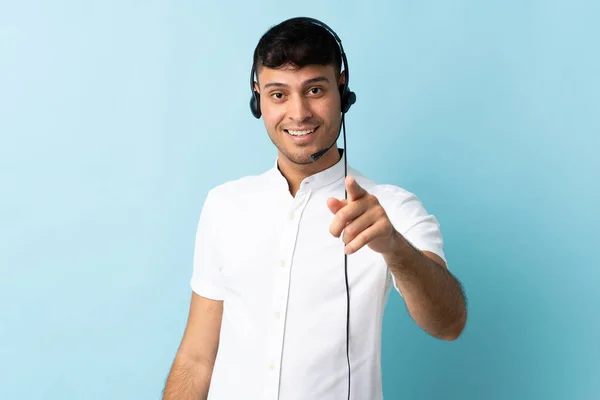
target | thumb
x=336, y=205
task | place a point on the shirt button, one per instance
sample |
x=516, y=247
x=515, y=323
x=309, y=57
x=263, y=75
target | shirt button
x=272, y=366
x=282, y=263
x=291, y=215
x=277, y=314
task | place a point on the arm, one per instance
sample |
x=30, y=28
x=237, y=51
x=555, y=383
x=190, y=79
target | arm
x=192, y=368
x=434, y=298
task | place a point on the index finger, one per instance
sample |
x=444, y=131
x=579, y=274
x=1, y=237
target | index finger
x=355, y=191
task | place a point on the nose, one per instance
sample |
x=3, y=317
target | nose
x=299, y=109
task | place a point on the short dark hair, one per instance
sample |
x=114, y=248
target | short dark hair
x=297, y=43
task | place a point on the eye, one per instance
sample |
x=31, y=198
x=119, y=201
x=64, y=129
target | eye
x=315, y=90
x=277, y=95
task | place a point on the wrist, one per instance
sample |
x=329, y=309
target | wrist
x=402, y=251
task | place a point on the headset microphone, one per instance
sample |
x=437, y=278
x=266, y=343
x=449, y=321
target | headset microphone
x=347, y=99
x=319, y=154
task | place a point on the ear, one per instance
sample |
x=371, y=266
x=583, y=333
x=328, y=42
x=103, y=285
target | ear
x=342, y=79
x=256, y=88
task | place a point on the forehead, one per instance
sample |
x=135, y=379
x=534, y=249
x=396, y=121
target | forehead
x=292, y=76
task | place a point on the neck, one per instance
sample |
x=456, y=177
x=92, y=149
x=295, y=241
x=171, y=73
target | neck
x=295, y=174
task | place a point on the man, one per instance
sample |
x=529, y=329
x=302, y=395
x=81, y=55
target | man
x=268, y=315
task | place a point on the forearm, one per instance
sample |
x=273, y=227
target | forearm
x=433, y=296
x=189, y=379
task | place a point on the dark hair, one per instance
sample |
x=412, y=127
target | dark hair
x=297, y=43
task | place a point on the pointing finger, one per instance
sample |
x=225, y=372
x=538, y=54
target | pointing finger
x=355, y=191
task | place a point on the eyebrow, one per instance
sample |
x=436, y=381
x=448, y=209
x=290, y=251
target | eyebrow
x=306, y=82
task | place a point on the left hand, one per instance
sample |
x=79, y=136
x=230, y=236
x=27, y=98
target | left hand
x=362, y=220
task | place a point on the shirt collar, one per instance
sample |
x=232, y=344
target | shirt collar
x=320, y=179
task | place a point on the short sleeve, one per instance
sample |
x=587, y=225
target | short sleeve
x=206, y=276
x=412, y=220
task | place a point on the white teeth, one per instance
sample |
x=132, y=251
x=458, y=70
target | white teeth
x=300, y=133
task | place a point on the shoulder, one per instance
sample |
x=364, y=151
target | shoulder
x=392, y=192
x=238, y=188
x=389, y=195
x=411, y=218
x=404, y=208
x=225, y=202
x=400, y=201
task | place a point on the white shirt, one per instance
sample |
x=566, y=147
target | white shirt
x=280, y=272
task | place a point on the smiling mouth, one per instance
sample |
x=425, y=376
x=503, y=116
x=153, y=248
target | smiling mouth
x=300, y=133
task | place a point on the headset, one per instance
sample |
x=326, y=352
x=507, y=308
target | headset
x=348, y=98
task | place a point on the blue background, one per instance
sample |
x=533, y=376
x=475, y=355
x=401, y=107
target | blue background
x=116, y=117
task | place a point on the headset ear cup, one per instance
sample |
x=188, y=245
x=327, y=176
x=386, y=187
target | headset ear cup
x=347, y=98
x=255, y=104
x=351, y=99
x=343, y=97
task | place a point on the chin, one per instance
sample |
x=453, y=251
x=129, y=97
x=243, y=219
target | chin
x=299, y=156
